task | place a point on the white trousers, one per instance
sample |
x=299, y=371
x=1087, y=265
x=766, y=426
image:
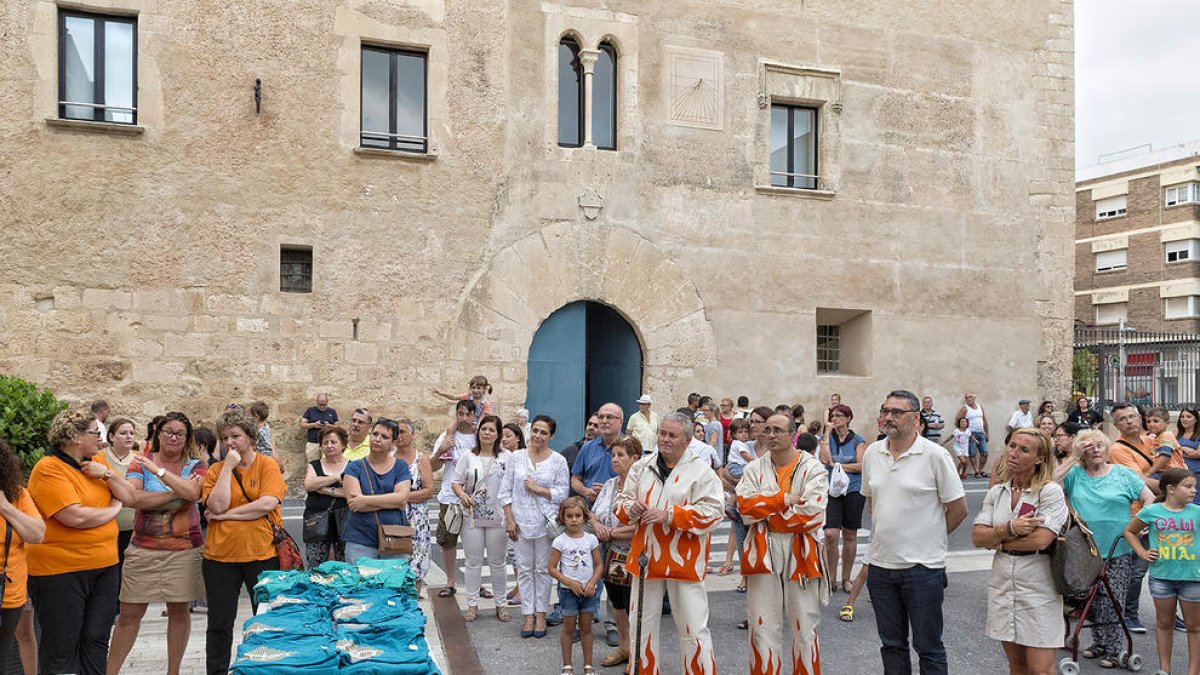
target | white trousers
x=533, y=574
x=772, y=598
x=474, y=540
x=689, y=607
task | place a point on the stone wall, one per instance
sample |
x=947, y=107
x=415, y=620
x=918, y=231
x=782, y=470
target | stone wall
x=143, y=267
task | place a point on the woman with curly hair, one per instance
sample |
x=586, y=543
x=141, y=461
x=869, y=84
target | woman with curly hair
x=22, y=525
x=162, y=563
x=73, y=574
x=242, y=494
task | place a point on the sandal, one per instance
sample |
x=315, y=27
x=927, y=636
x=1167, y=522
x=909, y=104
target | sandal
x=485, y=593
x=588, y=669
x=1107, y=663
x=615, y=658
x=846, y=613
x=741, y=588
x=1092, y=652
x=502, y=615
x=744, y=624
x=447, y=592
x=568, y=670
x=471, y=614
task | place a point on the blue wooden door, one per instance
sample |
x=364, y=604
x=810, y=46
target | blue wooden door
x=583, y=355
x=558, y=373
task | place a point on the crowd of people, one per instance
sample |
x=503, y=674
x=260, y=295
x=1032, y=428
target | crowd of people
x=617, y=523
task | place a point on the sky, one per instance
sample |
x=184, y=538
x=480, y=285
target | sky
x=1137, y=75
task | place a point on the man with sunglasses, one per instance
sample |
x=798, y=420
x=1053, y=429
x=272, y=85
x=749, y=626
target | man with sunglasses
x=921, y=501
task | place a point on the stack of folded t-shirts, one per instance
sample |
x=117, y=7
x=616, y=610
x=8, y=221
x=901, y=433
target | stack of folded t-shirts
x=337, y=618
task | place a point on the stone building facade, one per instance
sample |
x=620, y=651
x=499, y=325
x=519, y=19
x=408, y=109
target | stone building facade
x=142, y=261
x=1137, y=246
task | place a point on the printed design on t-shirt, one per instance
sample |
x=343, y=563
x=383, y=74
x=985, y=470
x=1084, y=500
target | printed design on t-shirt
x=1175, y=538
x=575, y=560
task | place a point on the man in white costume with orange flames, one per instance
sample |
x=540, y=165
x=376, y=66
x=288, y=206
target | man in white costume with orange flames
x=782, y=498
x=677, y=501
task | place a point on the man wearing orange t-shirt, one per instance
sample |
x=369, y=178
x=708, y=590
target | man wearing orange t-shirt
x=1134, y=449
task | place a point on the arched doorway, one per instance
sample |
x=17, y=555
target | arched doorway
x=582, y=356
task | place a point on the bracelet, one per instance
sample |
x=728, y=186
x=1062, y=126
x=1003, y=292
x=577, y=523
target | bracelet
x=1011, y=532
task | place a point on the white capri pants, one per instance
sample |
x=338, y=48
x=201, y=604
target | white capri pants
x=474, y=540
x=533, y=574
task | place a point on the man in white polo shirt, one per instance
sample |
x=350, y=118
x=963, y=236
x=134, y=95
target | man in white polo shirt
x=916, y=501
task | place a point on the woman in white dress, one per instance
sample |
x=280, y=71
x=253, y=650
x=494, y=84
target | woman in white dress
x=538, y=480
x=1020, y=518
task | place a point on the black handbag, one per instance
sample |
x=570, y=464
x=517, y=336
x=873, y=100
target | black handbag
x=1075, y=561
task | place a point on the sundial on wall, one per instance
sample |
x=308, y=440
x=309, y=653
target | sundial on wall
x=695, y=87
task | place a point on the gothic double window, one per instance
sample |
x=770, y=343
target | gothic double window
x=578, y=72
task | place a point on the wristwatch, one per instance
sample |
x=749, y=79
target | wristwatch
x=161, y=471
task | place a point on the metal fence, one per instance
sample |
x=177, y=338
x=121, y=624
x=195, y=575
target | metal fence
x=1114, y=364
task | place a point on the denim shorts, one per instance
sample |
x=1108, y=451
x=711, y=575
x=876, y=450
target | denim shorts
x=1187, y=591
x=574, y=605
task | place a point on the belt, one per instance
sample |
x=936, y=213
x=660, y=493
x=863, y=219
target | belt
x=1024, y=553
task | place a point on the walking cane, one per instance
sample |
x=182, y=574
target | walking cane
x=643, y=561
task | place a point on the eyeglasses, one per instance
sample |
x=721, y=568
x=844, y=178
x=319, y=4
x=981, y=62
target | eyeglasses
x=607, y=417
x=775, y=431
x=174, y=434
x=893, y=412
x=94, y=431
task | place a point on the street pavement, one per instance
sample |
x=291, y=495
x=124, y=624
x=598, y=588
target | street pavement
x=846, y=648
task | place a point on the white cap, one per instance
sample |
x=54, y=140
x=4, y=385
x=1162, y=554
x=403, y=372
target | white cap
x=645, y=399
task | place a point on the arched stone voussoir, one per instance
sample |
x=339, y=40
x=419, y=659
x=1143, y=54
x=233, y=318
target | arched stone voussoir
x=525, y=282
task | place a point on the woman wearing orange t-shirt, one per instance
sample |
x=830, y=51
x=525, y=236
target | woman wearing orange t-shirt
x=73, y=574
x=240, y=493
x=18, y=512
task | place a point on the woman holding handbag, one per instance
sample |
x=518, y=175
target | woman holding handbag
x=616, y=537
x=377, y=488
x=241, y=494
x=1103, y=495
x=1020, y=518
x=476, y=483
x=530, y=493
x=325, y=509
x=844, y=517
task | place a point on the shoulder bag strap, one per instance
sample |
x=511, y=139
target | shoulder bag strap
x=7, y=543
x=266, y=516
x=1136, y=450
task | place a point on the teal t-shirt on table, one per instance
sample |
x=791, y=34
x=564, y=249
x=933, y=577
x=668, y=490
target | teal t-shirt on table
x=1173, y=533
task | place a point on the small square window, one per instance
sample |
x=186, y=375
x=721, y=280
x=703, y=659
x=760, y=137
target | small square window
x=97, y=68
x=1112, y=207
x=829, y=349
x=1110, y=313
x=1111, y=261
x=1180, y=251
x=295, y=269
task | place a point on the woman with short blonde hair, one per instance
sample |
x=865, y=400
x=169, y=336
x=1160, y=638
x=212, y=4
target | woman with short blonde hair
x=73, y=575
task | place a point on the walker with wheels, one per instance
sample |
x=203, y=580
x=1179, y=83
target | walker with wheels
x=1076, y=608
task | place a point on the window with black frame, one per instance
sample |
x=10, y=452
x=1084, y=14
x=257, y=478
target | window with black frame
x=794, y=147
x=394, y=100
x=604, y=98
x=570, y=94
x=97, y=67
